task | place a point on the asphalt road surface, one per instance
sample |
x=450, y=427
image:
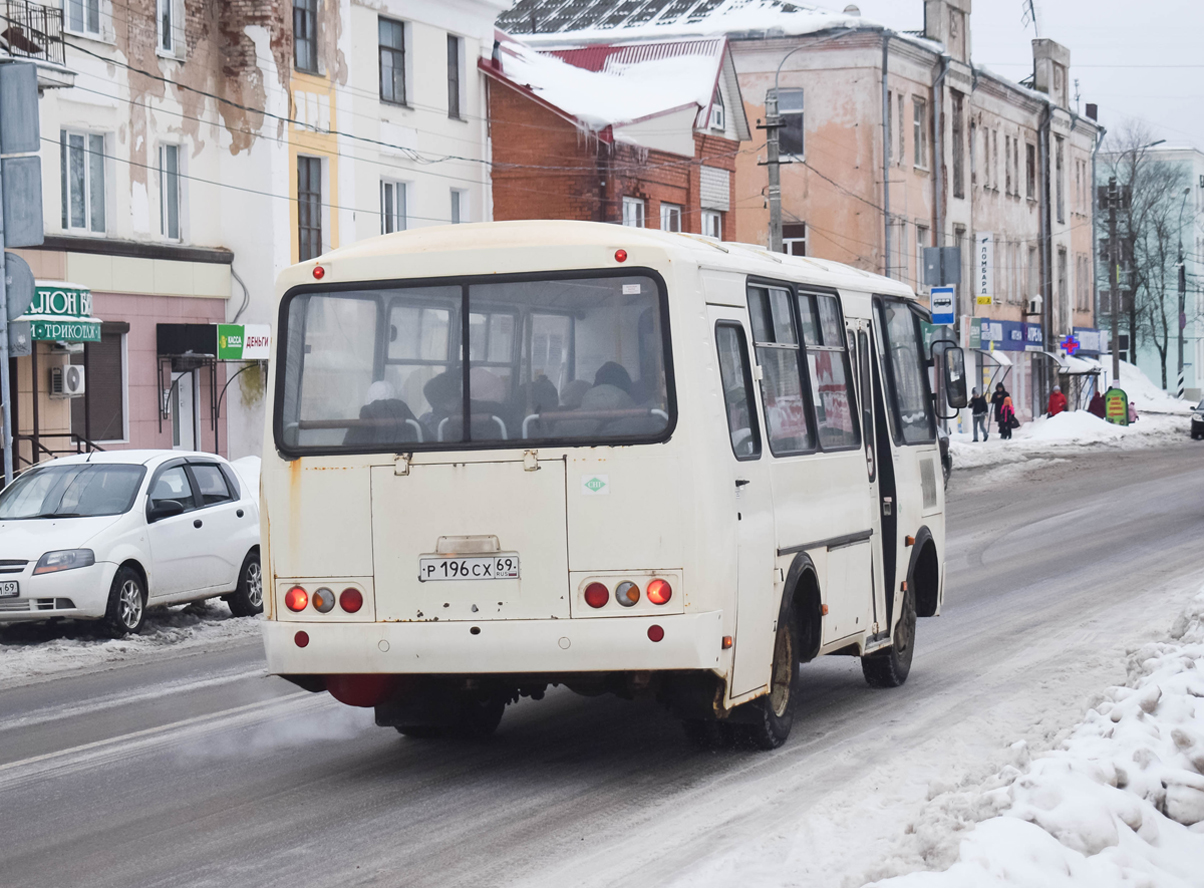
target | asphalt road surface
x=196, y=768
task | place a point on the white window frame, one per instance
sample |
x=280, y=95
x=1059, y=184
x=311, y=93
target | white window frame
x=169, y=29
x=398, y=218
x=800, y=112
x=164, y=187
x=671, y=216
x=103, y=15
x=789, y=242
x=919, y=114
x=718, y=119
x=462, y=78
x=459, y=206
x=923, y=235
x=87, y=196
x=712, y=224
x=633, y=212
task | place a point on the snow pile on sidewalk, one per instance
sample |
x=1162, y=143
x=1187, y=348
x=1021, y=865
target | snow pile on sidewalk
x=31, y=650
x=1121, y=802
x=1143, y=392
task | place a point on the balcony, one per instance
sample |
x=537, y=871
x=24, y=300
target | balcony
x=34, y=32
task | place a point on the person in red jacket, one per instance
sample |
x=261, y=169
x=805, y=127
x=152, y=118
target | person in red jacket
x=1057, y=401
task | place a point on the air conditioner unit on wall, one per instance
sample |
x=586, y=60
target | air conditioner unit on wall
x=66, y=382
x=1034, y=305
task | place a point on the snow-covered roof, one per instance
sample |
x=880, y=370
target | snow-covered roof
x=644, y=19
x=603, y=86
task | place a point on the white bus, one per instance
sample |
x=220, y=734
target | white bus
x=510, y=455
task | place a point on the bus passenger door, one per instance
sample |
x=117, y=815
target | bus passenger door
x=887, y=494
x=863, y=357
x=751, y=505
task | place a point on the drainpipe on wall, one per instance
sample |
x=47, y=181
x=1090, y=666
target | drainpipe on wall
x=1099, y=140
x=1046, y=259
x=886, y=139
x=938, y=150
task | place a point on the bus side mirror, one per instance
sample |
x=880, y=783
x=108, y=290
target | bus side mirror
x=955, y=377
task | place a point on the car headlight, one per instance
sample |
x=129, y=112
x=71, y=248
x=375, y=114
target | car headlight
x=64, y=559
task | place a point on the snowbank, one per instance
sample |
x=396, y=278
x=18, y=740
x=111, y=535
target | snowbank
x=1121, y=802
x=1143, y=391
x=29, y=650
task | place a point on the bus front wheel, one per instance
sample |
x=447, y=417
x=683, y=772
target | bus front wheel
x=889, y=668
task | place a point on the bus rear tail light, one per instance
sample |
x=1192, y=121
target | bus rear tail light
x=627, y=593
x=659, y=592
x=323, y=600
x=301, y=638
x=655, y=633
x=596, y=595
x=296, y=598
x=351, y=600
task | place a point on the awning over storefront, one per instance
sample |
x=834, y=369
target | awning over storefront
x=999, y=357
x=61, y=312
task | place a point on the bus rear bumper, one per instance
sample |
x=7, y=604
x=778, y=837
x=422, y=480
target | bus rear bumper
x=691, y=641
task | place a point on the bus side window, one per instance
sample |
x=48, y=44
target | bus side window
x=831, y=377
x=737, y=391
x=786, y=424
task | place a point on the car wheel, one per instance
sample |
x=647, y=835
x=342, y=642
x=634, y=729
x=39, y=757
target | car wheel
x=126, y=611
x=247, y=599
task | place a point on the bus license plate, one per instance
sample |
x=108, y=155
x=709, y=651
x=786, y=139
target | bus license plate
x=478, y=567
x=10, y=589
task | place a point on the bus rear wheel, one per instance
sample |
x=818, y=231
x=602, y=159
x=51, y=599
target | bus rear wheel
x=889, y=668
x=773, y=714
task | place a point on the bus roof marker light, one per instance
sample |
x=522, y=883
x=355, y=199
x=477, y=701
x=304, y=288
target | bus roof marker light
x=627, y=593
x=655, y=633
x=351, y=600
x=620, y=255
x=319, y=272
x=596, y=595
x=296, y=598
x=659, y=592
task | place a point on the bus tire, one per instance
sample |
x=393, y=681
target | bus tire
x=889, y=668
x=709, y=733
x=767, y=721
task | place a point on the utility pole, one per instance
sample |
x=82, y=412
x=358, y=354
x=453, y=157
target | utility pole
x=1182, y=290
x=1113, y=274
x=773, y=123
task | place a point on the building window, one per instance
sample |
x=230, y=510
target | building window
x=902, y=132
x=1007, y=164
x=712, y=224
x=670, y=217
x=790, y=110
x=83, y=16
x=83, y=181
x=923, y=234
x=959, y=145
x=106, y=407
x=169, y=191
x=919, y=135
x=890, y=129
x=459, y=206
x=794, y=238
x=633, y=212
x=1063, y=294
x=309, y=207
x=975, y=166
x=163, y=19
x=1016, y=165
x=995, y=160
x=305, y=35
x=1034, y=271
x=392, y=207
x=455, y=77
x=718, y=118
x=1030, y=171
x=1058, y=175
x=392, y=61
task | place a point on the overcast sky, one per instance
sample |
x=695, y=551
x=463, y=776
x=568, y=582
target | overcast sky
x=1136, y=59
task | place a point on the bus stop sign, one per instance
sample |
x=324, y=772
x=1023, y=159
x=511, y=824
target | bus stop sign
x=1116, y=406
x=942, y=305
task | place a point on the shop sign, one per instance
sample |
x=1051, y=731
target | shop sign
x=66, y=331
x=1116, y=406
x=1091, y=341
x=1005, y=335
x=61, y=301
x=243, y=342
x=984, y=278
x=1070, y=344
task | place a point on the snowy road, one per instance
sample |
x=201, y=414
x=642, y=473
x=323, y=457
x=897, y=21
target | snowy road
x=193, y=768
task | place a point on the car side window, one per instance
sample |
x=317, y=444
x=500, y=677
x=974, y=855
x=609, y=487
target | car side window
x=173, y=484
x=211, y=484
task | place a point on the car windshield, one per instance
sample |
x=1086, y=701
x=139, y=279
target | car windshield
x=580, y=359
x=78, y=490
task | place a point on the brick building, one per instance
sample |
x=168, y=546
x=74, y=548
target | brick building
x=644, y=134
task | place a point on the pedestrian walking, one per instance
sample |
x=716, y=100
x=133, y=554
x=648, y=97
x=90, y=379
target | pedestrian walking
x=1057, y=401
x=1132, y=412
x=978, y=413
x=1007, y=418
x=997, y=399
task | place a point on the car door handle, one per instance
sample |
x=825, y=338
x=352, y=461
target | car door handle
x=197, y=522
x=740, y=482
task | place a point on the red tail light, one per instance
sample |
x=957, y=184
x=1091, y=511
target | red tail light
x=659, y=592
x=302, y=638
x=296, y=598
x=596, y=595
x=655, y=633
x=351, y=600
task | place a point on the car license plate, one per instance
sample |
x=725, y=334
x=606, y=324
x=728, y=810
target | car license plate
x=10, y=589
x=478, y=567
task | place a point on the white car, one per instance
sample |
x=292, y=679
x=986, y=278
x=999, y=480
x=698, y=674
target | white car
x=104, y=536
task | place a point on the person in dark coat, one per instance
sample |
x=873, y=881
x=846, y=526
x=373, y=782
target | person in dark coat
x=978, y=412
x=1096, y=407
x=997, y=399
x=387, y=419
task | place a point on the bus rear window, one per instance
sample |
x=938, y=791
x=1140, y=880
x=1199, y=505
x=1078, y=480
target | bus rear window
x=575, y=360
